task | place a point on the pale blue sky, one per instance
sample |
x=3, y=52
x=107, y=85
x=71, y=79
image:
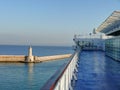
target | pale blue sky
x=51, y=22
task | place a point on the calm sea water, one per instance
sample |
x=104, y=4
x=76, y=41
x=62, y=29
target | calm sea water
x=20, y=76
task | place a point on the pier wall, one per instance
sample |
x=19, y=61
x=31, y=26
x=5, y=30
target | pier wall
x=22, y=58
x=12, y=58
x=49, y=58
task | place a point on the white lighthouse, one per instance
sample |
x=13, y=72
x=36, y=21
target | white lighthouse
x=30, y=57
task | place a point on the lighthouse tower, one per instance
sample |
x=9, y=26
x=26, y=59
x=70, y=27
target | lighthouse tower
x=30, y=57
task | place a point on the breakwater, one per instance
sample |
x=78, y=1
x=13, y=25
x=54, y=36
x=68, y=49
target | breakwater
x=49, y=58
x=22, y=58
x=12, y=58
x=31, y=58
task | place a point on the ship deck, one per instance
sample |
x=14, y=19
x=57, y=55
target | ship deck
x=97, y=72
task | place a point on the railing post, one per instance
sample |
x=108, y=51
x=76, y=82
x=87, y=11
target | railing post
x=69, y=74
x=64, y=81
x=67, y=79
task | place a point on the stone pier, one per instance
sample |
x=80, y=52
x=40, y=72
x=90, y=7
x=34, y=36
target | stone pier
x=30, y=58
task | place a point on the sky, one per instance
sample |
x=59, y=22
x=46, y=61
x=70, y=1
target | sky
x=51, y=22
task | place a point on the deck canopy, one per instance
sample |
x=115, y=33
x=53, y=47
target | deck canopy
x=111, y=26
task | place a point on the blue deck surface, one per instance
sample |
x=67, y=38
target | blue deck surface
x=97, y=72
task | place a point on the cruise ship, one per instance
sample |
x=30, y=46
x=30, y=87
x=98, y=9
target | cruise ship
x=95, y=64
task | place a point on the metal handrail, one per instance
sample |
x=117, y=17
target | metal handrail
x=63, y=82
x=62, y=79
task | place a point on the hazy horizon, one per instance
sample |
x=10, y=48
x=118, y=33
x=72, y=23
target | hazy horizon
x=50, y=22
x=37, y=45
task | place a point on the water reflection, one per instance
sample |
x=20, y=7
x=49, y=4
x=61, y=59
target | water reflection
x=30, y=68
x=30, y=72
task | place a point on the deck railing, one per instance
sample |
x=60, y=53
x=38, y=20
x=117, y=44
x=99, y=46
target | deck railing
x=64, y=79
